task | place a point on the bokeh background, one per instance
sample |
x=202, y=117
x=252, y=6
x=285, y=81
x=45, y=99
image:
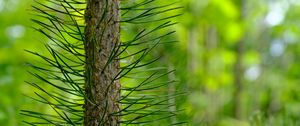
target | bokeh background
x=238, y=61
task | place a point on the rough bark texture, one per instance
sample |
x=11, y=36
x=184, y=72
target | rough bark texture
x=102, y=35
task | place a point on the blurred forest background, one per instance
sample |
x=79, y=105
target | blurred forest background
x=238, y=61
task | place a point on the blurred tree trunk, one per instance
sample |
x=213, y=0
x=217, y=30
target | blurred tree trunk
x=192, y=66
x=239, y=70
x=238, y=81
x=102, y=35
x=192, y=52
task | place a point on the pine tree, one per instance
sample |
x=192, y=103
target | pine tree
x=84, y=68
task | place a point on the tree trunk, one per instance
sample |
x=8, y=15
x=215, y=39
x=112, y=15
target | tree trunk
x=239, y=70
x=238, y=82
x=102, y=37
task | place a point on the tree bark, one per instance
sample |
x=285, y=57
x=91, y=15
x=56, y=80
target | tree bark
x=102, y=37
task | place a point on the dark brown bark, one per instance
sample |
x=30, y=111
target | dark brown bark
x=102, y=35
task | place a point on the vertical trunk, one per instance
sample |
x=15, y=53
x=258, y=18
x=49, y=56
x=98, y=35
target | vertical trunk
x=238, y=82
x=239, y=70
x=102, y=35
x=192, y=53
x=210, y=38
